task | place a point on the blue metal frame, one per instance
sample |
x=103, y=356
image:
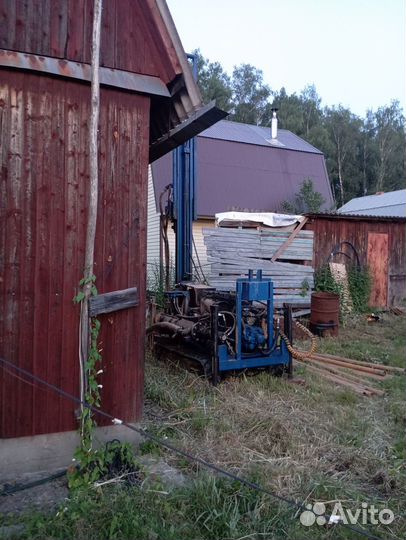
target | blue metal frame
x=253, y=289
x=184, y=179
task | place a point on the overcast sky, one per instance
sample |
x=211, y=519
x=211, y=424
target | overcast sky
x=354, y=51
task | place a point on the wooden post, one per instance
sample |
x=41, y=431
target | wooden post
x=84, y=327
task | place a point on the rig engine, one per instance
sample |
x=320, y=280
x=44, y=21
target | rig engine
x=225, y=331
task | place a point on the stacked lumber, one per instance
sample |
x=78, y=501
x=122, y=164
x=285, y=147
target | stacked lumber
x=232, y=252
x=361, y=377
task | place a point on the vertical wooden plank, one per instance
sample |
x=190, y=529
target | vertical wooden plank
x=124, y=336
x=56, y=257
x=27, y=257
x=7, y=24
x=42, y=270
x=4, y=134
x=87, y=31
x=124, y=36
x=108, y=35
x=58, y=26
x=378, y=263
x=12, y=270
x=21, y=26
x=139, y=269
x=45, y=32
x=75, y=30
x=74, y=177
x=108, y=240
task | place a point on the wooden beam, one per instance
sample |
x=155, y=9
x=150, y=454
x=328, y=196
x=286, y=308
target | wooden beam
x=113, y=301
x=287, y=243
x=117, y=78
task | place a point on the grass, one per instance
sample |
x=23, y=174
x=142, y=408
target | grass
x=311, y=442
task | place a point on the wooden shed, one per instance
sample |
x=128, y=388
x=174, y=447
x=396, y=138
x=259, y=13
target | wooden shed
x=149, y=105
x=379, y=242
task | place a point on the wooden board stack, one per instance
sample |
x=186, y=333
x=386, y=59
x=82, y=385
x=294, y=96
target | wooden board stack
x=232, y=252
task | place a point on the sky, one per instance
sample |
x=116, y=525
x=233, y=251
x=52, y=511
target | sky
x=353, y=51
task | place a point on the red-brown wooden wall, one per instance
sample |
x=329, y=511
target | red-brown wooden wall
x=331, y=230
x=133, y=37
x=43, y=200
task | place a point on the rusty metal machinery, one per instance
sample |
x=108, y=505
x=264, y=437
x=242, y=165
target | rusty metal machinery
x=225, y=331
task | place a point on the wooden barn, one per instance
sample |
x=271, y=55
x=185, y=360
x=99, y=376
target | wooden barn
x=379, y=243
x=149, y=105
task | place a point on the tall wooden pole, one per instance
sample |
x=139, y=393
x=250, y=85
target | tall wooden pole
x=93, y=195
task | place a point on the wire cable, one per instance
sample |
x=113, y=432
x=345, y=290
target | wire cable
x=183, y=453
x=10, y=490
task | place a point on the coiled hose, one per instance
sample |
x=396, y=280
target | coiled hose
x=296, y=353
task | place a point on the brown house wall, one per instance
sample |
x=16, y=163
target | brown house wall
x=132, y=37
x=43, y=199
x=331, y=231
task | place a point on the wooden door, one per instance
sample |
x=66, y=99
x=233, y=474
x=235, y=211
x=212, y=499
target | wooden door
x=378, y=256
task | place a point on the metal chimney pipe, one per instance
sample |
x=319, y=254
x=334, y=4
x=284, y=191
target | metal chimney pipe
x=274, y=124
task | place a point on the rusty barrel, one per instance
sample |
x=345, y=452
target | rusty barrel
x=324, y=313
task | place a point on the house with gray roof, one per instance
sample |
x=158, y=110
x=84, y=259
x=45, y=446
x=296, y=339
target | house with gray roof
x=392, y=203
x=240, y=167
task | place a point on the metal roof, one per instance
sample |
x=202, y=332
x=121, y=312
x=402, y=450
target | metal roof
x=392, y=204
x=356, y=217
x=261, y=136
x=249, y=177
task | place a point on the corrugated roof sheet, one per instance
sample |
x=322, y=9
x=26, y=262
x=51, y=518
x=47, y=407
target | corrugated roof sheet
x=356, y=217
x=261, y=136
x=246, y=177
x=389, y=204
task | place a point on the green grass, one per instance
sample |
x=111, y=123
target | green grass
x=210, y=508
x=311, y=442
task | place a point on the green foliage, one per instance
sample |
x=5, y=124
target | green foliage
x=89, y=464
x=156, y=282
x=325, y=282
x=208, y=508
x=213, y=82
x=360, y=283
x=250, y=95
x=306, y=200
x=113, y=459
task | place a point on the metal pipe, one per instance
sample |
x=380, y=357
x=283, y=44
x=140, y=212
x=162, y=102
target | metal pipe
x=175, y=329
x=214, y=311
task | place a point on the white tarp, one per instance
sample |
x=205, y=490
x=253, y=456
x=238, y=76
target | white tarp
x=270, y=219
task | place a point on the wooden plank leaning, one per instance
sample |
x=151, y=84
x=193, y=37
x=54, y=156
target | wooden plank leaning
x=289, y=240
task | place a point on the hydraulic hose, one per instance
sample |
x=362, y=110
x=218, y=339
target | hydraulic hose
x=296, y=353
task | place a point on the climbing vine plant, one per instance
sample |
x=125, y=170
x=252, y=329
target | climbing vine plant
x=360, y=285
x=85, y=471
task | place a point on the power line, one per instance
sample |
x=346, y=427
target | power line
x=183, y=453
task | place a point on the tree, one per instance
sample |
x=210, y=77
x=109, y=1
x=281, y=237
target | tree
x=343, y=127
x=311, y=106
x=306, y=200
x=390, y=139
x=367, y=153
x=250, y=95
x=213, y=81
x=290, y=113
